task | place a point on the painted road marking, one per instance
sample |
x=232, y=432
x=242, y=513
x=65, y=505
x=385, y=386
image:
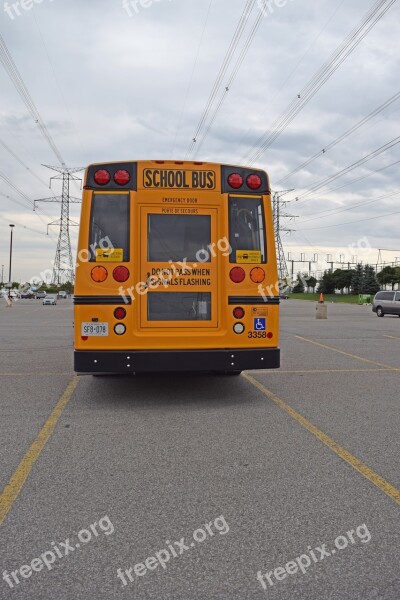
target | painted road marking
x=17, y=481
x=273, y=372
x=372, y=362
x=34, y=374
x=354, y=462
x=392, y=337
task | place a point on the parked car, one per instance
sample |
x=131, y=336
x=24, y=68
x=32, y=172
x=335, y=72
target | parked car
x=27, y=294
x=386, y=303
x=62, y=294
x=49, y=300
x=40, y=295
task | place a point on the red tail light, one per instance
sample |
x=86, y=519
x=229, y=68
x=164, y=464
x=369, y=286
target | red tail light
x=235, y=181
x=254, y=182
x=238, y=312
x=121, y=274
x=122, y=177
x=120, y=313
x=237, y=274
x=102, y=177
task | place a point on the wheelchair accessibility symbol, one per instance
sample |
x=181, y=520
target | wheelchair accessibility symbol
x=260, y=324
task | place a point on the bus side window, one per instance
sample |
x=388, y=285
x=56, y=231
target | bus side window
x=109, y=223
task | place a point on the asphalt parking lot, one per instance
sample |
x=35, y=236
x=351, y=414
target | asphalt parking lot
x=281, y=484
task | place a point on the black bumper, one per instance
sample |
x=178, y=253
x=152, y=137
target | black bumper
x=135, y=361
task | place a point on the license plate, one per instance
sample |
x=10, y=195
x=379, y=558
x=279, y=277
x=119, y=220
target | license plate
x=94, y=329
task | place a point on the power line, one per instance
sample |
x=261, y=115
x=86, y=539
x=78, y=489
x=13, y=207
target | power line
x=342, y=137
x=374, y=154
x=319, y=79
x=232, y=78
x=191, y=77
x=222, y=72
x=352, y=222
x=12, y=71
x=334, y=211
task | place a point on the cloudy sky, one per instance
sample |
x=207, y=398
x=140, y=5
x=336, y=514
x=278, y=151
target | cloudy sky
x=116, y=81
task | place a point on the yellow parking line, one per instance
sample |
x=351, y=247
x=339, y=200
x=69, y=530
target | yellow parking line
x=392, y=337
x=34, y=374
x=281, y=371
x=16, y=483
x=354, y=462
x=372, y=362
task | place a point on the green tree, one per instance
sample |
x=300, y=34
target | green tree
x=343, y=279
x=370, y=283
x=311, y=283
x=389, y=276
x=299, y=285
x=327, y=284
x=357, y=280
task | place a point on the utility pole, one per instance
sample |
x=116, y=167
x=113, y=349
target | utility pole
x=63, y=269
x=10, y=276
x=278, y=215
x=301, y=261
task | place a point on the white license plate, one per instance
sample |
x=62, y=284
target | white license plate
x=94, y=329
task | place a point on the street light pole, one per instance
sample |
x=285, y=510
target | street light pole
x=2, y=273
x=11, y=244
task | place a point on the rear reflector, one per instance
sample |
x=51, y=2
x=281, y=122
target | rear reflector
x=237, y=274
x=102, y=177
x=99, y=274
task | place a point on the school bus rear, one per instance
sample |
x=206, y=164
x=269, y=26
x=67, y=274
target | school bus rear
x=176, y=269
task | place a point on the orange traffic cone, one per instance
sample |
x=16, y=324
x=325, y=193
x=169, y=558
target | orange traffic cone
x=321, y=299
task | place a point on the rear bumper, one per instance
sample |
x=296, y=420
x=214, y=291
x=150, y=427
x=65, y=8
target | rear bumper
x=135, y=361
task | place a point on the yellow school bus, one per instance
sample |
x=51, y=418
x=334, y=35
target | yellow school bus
x=176, y=269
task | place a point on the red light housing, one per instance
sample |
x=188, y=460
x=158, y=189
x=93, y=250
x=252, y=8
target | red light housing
x=122, y=177
x=270, y=335
x=237, y=274
x=238, y=312
x=102, y=177
x=254, y=182
x=121, y=274
x=120, y=313
x=235, y=181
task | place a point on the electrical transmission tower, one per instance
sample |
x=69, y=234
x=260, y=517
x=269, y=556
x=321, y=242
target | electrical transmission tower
x=63, y=269
x=277, y=204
